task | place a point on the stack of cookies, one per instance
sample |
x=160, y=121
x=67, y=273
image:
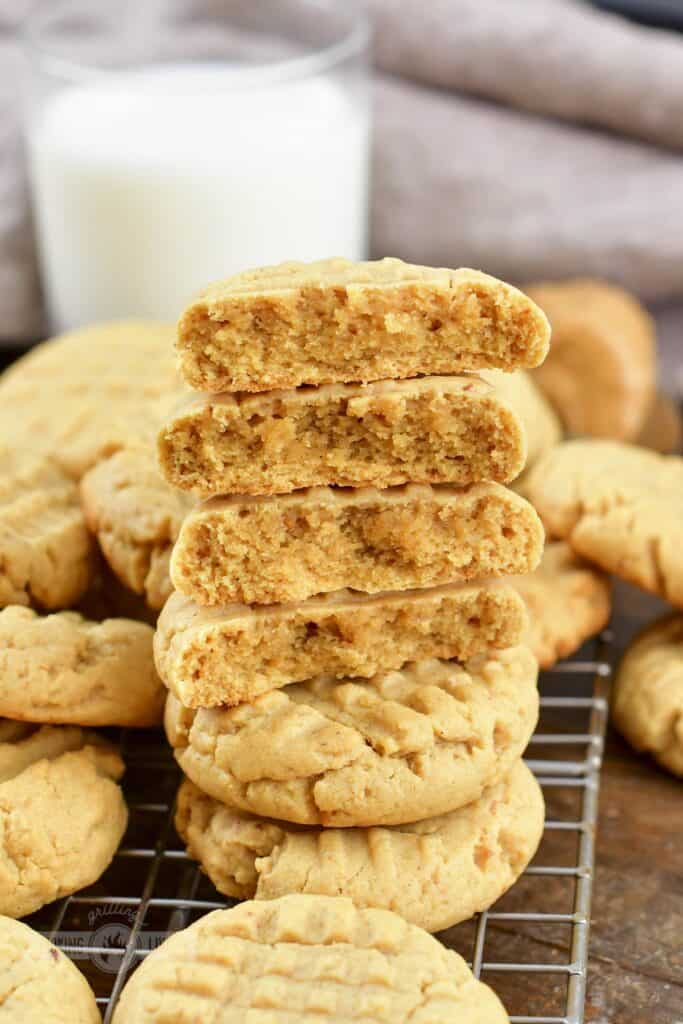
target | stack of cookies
x=349, y=696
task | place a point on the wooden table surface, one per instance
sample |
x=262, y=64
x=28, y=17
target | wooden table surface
x=636, y=940
x=636, y=949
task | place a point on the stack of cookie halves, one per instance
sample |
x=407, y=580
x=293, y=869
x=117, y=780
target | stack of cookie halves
x=349, y=698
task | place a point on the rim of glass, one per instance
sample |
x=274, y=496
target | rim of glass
x=353, y=42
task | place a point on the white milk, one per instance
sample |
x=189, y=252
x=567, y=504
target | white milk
x=151, y=185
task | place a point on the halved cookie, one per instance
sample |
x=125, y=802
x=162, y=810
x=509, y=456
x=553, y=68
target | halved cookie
x=62, y=814
x=400, y=747
x=335, y=320
x=434, y=873
x=226, y=655
x=291, y=547
x=454, y=430
x=67, y=670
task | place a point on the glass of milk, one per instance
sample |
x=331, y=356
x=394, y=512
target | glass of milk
x=174, y=143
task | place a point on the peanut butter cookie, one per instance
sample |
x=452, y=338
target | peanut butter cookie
x=84, y=395
x=305, y=959
x=541, y=423
x=619, y=506
x=568, y=601
x=400, y=747
x=62, y=814
x=213, y=656
x=647, y=702
x=434, y=873
x=453, y=430
x=46, y=553
x=136, y=517
x=336, y=321
x=601, y=368
x=291, y=547
x=38, y=983
x=66, y=670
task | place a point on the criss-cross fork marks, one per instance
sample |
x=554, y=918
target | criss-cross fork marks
x=170, y=892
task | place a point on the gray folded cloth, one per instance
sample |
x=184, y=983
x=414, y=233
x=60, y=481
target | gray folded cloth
x=524, y=138
x=465, y=182
x=459, y=179
x=560, y=58
x=21, y=305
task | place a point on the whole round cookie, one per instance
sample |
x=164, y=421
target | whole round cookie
x=83, y=395
x=38, y=983
x=136, y=517
x=305, y=958
x=47, y=556
x=647, y=702
x=64, y=669
x=663, y=427
x=434, y=873
x=619, y=506
x=541, y=423
x=400, y=747
x=568, y=601
x=62, y=814
x=601, y=369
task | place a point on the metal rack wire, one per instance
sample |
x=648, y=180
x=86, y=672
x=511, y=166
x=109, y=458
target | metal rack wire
x=152, y=888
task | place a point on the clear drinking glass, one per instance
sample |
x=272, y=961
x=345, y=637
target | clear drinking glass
x=174, y=143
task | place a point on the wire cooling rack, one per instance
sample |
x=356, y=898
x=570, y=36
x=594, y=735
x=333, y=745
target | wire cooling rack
x=532, y=948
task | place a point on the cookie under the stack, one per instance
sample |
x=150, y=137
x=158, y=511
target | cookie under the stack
x=434, y=873
x=395, y=748
x=343, y=649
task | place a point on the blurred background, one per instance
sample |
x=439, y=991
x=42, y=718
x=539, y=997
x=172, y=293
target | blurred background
x=146, y=149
